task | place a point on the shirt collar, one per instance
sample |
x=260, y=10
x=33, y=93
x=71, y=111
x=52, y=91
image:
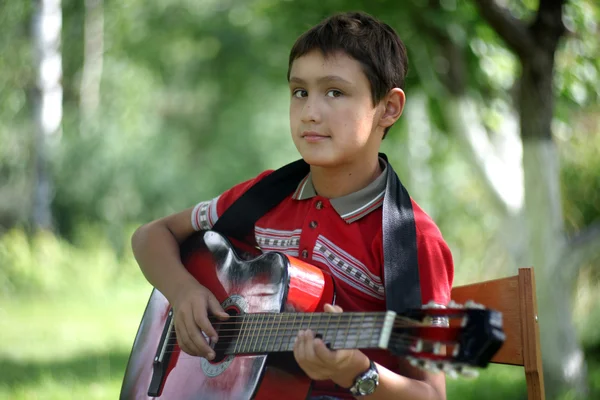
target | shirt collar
x=353, y=206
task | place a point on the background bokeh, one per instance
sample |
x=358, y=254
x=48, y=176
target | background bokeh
x=164, y=103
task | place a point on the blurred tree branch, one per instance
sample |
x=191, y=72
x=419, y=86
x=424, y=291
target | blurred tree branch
x=512, y=30
x=583, y=249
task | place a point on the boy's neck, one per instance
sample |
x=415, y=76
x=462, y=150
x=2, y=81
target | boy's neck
x=343, y=180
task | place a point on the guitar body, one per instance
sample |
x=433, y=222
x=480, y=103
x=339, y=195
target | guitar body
x=269, y=283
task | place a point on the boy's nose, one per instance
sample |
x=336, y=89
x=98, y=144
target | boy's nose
x=311, y=112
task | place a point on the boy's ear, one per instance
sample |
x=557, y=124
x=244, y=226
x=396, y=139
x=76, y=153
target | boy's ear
x=394, y=105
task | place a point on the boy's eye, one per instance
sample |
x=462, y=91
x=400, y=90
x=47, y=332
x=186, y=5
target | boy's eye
x=334, y=93
x=299, y=93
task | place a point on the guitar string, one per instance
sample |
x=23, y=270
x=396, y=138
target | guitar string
x=399, y=340
x=253, y=319
x=257, y=326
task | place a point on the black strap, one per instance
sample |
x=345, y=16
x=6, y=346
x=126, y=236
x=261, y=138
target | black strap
x=401, y=266
x=239, y=219
x=400, y=260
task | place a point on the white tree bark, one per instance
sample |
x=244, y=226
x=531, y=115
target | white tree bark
x=46, y=29
x=498, y=163
x=93, y=52
x=538, y=239
x=420, y=176
x=562, y=353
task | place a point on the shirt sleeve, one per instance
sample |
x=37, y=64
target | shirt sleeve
x=206, y=213
x=436, y=268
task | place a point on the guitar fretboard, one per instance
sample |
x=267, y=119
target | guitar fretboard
x=266, y=333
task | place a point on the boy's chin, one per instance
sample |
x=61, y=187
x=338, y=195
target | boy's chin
x=321, y=160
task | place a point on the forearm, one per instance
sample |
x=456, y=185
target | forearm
x=157, y=252
x=398, y=387
x=393, y=385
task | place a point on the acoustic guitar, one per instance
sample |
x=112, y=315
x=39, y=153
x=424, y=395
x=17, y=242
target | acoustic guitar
x=269, y=298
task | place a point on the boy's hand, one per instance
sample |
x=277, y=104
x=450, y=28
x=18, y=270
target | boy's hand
x=190, y=311
x=320, y=363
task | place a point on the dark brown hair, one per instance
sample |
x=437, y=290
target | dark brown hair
x=374, y=44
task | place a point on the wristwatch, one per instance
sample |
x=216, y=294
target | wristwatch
x=366, y=383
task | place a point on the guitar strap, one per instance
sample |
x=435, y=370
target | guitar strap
x=401, y=267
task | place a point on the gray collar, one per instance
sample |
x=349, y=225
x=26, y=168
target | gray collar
x=355, y=205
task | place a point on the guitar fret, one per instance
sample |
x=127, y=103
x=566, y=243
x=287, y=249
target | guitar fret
x=238, y=338
x=256, y=334
x=347, y=329
x=362, y=321
x=291, y=336
x=268, y=331
x=248, y=332
x=373, y=336
x=337, y=328
x=279, y=336
x=326, y=333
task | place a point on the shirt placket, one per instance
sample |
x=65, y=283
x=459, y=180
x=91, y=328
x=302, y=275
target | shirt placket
x=311, y=227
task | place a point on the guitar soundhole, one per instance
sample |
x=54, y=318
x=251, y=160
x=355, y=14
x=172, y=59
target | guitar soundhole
x=228, y=331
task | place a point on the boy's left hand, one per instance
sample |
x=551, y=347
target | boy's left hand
x=316, y=360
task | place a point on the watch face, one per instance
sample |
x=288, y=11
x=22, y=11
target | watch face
x=367, y=386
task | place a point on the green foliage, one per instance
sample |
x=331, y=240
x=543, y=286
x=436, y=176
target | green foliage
x=16, y=82
x=47, y=265
x=194, y=98
x=580, y=175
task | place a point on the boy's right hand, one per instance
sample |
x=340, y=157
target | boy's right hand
x=191, y=308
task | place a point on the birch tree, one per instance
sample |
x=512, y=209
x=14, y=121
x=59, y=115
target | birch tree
x=521, y=173
x=46, y=31
x=93, y=51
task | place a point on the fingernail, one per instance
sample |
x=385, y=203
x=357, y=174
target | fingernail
x=214, y=339
x=211, y=356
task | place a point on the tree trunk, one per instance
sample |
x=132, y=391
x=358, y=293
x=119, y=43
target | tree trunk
x=46, y=30
x=535, y=45
x=93, y=51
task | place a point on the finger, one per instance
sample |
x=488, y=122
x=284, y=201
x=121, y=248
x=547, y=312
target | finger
x=215, y=308
x=309, y=347
x=202, y=321
x=322, y=354
x=183, y=339
x=195, y=332
x=332, y=309
x=299, y=348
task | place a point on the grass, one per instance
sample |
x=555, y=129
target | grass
x=66, y=332
x=71, y=348
x=77, y=347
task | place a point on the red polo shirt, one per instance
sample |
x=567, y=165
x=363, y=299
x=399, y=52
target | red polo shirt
x=344, y=237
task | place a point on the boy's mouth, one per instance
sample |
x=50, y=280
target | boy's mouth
x=311, y=136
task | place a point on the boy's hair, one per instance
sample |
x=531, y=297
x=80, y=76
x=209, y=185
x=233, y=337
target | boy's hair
x=374, y=44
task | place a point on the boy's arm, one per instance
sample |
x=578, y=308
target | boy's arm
x=156, y=248
x=409, y=383
x=344, y=366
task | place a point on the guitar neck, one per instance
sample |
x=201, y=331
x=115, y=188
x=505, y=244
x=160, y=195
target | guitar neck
x=267, y=333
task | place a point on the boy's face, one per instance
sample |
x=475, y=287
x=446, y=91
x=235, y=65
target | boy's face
x=332, y=118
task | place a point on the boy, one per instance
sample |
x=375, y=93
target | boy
x=345, y=76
